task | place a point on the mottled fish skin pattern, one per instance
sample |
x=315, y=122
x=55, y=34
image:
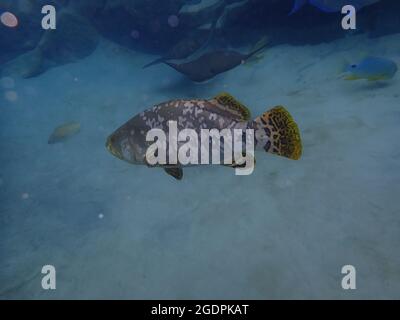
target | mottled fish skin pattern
x=188, y=114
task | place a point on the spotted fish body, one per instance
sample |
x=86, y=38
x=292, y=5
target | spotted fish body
x=222, y=112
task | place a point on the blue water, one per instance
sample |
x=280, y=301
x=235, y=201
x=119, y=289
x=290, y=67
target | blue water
x=119, y=231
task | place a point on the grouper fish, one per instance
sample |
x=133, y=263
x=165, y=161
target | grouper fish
x=275, y=131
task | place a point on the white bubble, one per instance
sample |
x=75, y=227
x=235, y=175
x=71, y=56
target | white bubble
x=166, y=81
x=101, y=216
x=7, y=82
x=9, y=19
x=173, y=21
x=25, y=196
x=135, y=34
x=11, y=96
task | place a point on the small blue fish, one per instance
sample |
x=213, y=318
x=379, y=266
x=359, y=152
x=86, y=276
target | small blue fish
x=331, y=5
x=371, y=69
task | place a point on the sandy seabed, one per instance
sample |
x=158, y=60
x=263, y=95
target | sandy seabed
x=113, y=230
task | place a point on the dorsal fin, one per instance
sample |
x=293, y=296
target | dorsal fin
x=235, y=108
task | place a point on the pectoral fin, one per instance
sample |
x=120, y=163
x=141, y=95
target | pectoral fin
x=177, y=173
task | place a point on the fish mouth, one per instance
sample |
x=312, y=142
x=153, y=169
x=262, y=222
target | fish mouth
x=110, y=147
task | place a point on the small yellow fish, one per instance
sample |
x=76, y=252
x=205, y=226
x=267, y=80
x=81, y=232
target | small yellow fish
x=64, y=131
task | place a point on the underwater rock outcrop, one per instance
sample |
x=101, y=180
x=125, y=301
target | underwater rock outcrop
x=25, y=36
x=173, y=29
x=204, y=14
x=26, y=65
x=75, y=38
x=86, y=8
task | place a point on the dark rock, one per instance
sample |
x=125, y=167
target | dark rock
x=75, y=38
x=26, y=65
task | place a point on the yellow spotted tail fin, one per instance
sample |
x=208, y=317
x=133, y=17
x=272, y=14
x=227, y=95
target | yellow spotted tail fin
x=279, y=134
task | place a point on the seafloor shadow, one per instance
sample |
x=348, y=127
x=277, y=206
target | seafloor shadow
x=375, y=85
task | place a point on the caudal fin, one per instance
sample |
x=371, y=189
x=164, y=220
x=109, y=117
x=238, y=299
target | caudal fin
x=278, y=133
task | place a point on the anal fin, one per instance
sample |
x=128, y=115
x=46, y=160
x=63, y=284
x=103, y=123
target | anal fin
x=177, y=173
x=235, y=165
